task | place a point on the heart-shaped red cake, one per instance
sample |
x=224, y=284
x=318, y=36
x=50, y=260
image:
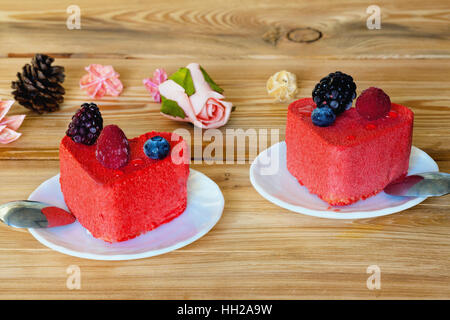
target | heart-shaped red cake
x=352, y=159
x=120, y=204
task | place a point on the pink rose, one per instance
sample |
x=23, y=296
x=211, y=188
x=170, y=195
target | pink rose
x=205, y=108
x=214, y=114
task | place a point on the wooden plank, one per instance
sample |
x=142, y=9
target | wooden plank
x=257, y=250
x=421, y=85
x=228, y=30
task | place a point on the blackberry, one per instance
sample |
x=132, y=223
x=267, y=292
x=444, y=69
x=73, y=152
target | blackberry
x=337, y=90
x=86, y=124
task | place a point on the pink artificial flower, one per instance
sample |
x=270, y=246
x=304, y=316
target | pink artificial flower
x=214, y=114
x=205, y=108
x=152, y=84
x=9, y=125
x=101, y=80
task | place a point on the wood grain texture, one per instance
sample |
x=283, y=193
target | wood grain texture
x=244, y=84
x=257, y=250
x=227, y=29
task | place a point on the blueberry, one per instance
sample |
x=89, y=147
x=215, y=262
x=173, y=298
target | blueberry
x=156, y=148
x=323, y=116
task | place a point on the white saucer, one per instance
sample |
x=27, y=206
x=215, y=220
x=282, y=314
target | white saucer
x=282, y=189
x=203, y=211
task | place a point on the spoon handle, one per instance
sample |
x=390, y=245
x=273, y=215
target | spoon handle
x=421, y=185
x=33, y=214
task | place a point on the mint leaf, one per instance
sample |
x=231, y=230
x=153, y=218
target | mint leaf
x=211, y=82
x=183, y=78
x=172, y=108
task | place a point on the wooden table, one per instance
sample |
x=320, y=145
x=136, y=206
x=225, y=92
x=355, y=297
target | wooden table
x=257, y=250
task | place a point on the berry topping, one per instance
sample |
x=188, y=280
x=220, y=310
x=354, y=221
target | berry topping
x=157, y=148
x=137, y=162
x=392, y=114
x=323, y=116
x=337, y=91
x=86, y=124
x=373, y=104
x=113, y=150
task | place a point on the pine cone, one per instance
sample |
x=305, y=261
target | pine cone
x=38, y=87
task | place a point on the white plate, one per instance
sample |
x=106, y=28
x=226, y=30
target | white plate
x=204, y=208
x=281, y=188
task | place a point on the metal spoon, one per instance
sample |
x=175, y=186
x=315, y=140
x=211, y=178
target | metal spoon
x=421, y=185
x=34, y=214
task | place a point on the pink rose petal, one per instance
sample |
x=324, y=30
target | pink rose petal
x=13, y=122
x=4, y=107
x=7, y=136
x=8, y=125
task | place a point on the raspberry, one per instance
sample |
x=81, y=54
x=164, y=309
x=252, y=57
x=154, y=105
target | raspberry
x=113, y=149
x=373, y=104
x=86, y=125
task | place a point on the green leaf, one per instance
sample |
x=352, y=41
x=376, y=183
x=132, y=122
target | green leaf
x=171, y=108
x=211, y=82
x=183, y=78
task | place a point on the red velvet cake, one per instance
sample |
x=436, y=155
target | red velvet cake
x=120, y=204
x=352, y=159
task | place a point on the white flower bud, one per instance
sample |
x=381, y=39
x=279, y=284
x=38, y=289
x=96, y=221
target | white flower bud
x=282, y=86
